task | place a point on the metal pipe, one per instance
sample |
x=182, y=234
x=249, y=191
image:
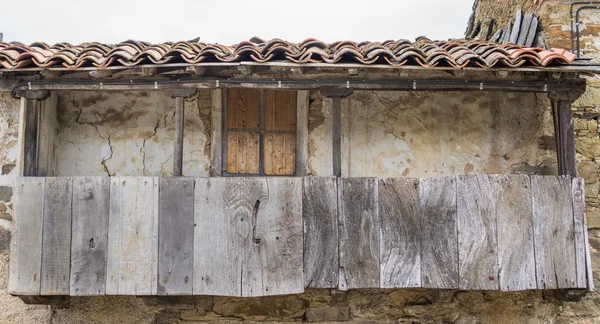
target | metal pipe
x=577, y=3
x=577, y=25
x=394, y=85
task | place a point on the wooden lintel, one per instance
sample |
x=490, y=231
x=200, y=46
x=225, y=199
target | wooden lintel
x=339, y=92
x=57, y=301
x=353, y=71
x=51, y=73
x=33, y=94
x=180, y=92
x=97, y=74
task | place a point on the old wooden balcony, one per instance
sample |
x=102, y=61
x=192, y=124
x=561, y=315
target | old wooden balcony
x=255, y=236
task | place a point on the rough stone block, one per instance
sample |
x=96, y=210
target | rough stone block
x=593, y=218
x=588, y=170
x=273, y=307
x=328, y=314
x=579, y=124
x=589, y=147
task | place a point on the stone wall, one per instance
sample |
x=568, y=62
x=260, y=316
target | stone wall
x=385, y=134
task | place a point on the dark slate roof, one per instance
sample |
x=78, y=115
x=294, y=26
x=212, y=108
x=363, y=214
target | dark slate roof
x=422, y=52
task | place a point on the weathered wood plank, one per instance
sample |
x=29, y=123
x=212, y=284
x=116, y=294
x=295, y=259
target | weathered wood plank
x=321, y=259
x=554, y=232
x=273, y=257
x=219, y=236
x=477, y=242
x=56, y=237
x=514, y=35
x=336, y=135
x=176, y=236
x=531, y=35
x=524, y=32
x=439, y=248
x=400, y=247
x=133, y=233
x=178, y=142
x=359, y=233
x=516, y=258
x=216, y=139
x=564, y=134
x=89, y=242
x=30, y=138
x=579, y=228
x=302, y=104
x=26, y=242
x=47, y=132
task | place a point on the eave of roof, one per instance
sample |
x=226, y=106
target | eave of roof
x=402, y=54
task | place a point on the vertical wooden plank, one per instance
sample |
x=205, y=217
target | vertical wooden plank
x=216, y=138
x=232, y=107
x=268, y=153
x=253, y=154
x=221, y=228
x=477, y=242
x=47, y=132
x=242, y=146
x=303, y=102
x=554, y=232
x=359, y=233
x=278, y=156
x=336, y=135
x=321, y=258
x=564, y=133
x=178, y=142
x=274, y=259
x=26, y=242
x=176, y=236
x=516, y=257
x=89, y=242
x=253, y=109
x=56, y=237
x=289, y=154
x=439, y=248
x=400, y=246
x=269, y=109
x=133, y=253
x=232, y=154
x=22, y=135
x=30, y=138
x=580, y=228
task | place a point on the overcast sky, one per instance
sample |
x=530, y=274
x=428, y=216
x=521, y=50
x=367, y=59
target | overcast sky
x=229, y=21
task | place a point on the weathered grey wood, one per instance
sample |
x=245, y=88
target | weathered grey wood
x=563, y=129
x=133, y=236
x=46, y=134
x=216, y=133
x=178, y=143
x=524, y=32
x=532, y=32
x=514, y=36
x=221, y=228
x=321, y=258
x=273, y=259
x=477, y=242
x=359, y=228
x=30, y=137
x=89, y=241
x=579, y=228
x=336, y=135
x=400, y=244
x=56, y=237
x=26, y=242
x=554, y=232
x=496, y=37
x=175, y=236
x=302, y=105
x=439, y=247
x=516, y=258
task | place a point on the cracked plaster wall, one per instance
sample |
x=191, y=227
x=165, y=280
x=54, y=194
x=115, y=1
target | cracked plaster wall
x=129, y=134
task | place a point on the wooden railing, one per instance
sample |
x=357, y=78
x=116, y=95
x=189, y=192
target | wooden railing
x=267, y=236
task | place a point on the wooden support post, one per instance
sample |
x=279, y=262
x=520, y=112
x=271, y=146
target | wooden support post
x=32, y=103
x=180, y=95
x=563, y=129
x=336, y=94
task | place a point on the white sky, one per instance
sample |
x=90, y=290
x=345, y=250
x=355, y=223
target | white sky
x=229, y=21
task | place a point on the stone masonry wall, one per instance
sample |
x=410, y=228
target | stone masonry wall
x=385, y=134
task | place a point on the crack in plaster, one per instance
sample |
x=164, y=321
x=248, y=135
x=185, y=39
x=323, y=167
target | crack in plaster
x=156, y=127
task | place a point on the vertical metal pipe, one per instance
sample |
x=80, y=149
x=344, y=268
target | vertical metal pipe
x=178, y=148
x=336, y=119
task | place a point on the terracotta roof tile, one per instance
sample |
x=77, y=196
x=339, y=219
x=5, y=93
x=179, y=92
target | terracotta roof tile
x=423, y=52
